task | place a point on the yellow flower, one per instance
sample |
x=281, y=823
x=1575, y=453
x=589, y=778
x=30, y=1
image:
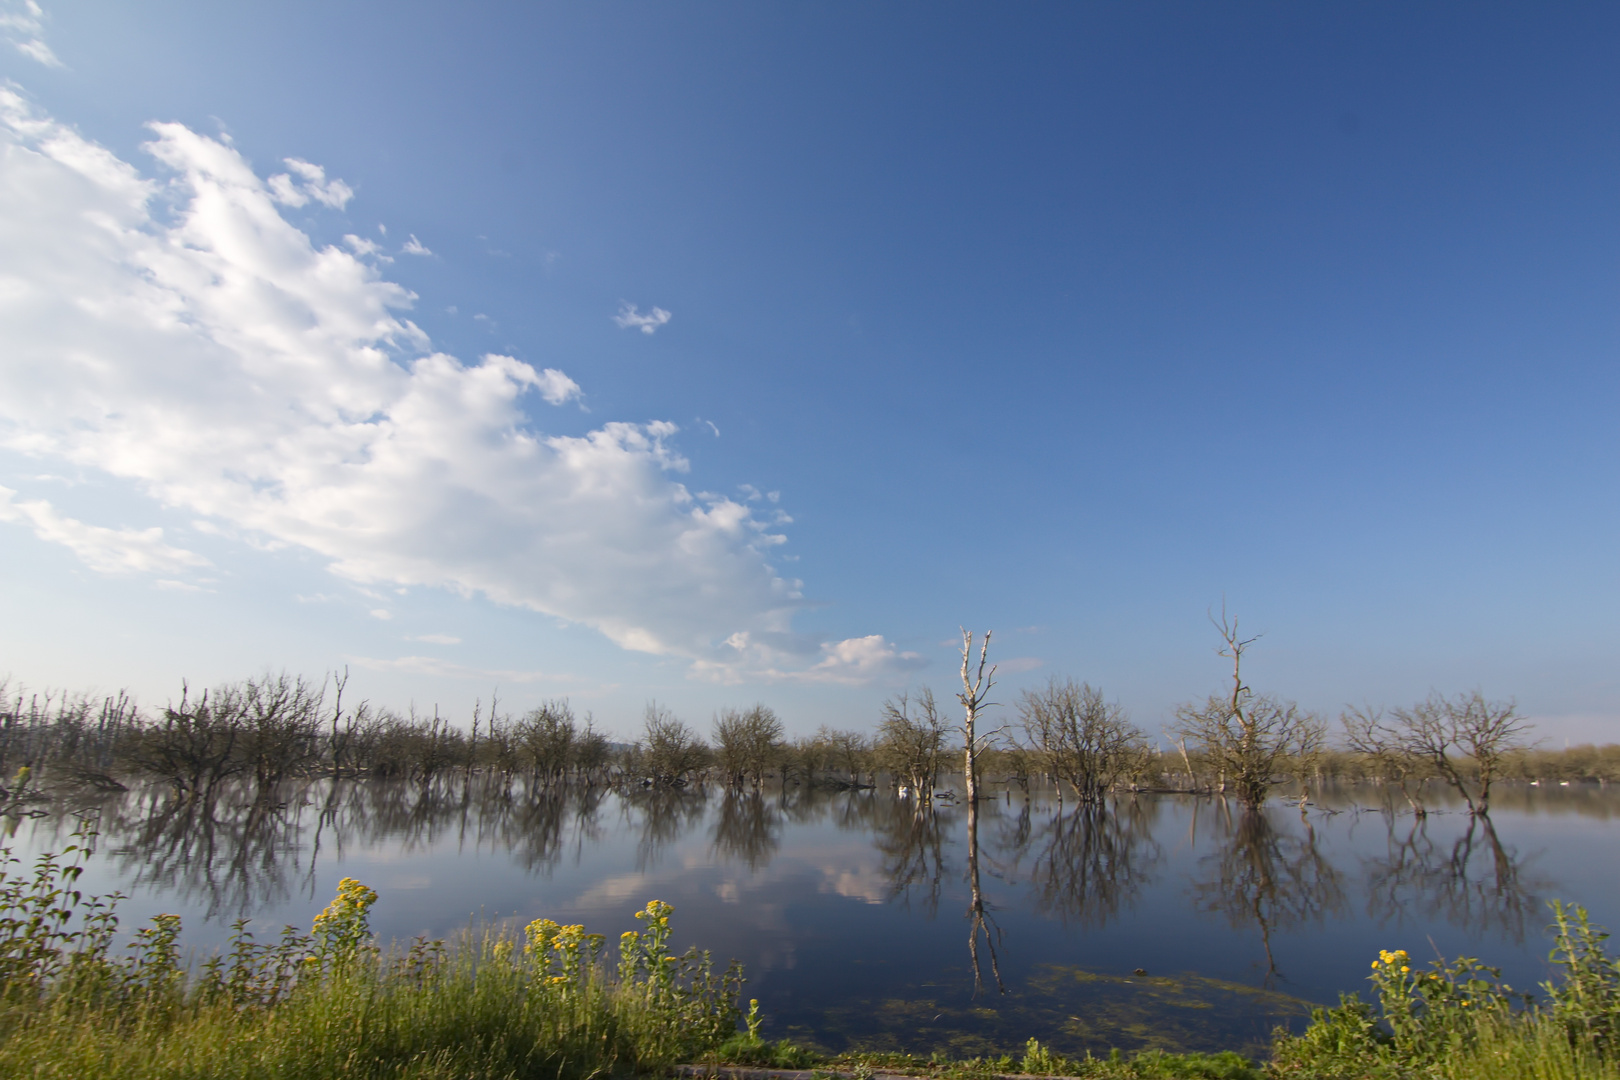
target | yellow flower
x=1404, y=968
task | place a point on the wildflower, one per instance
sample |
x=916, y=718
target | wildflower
x=540, y=932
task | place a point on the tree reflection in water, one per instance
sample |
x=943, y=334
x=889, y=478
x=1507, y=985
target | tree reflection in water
x=1270, y=878
x=1084, y=864
x=666, y=814
x=236, y=853
x=980, y=923
x=230, y=863
x=910, y=841
x=1475, y=883
x=748, y=828
x=1080, y=866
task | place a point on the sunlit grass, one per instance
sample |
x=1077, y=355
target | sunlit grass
x=333, y=1004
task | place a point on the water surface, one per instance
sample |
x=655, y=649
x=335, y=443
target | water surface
x=854, y=911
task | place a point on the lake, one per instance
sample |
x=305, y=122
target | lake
x=852, y=911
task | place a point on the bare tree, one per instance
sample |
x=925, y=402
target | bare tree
x=851, y=750
x=974, y=697
x=546, y=736
x=1367, y=733
x=591, y=752
x=281, y=720
x=1437, y=728
x=194, y=747
x=1247, y=737
x=910, y=737
x=747, y=744
x=1078, y=737
x=671, y=751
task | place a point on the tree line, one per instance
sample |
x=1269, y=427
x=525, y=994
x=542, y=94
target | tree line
x=1239, y=742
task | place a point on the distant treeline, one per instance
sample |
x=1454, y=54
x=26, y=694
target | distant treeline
x=265, y=730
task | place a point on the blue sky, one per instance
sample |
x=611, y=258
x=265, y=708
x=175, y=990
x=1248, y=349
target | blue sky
x=817, y=331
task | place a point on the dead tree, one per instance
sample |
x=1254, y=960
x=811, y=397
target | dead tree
x=281, y=722
x=1437, y=728
x=1247, y=737
x=1366, y=733
x=976, y=684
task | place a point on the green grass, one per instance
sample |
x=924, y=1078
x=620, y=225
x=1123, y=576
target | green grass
x=483, y=1011
x=332, y=1004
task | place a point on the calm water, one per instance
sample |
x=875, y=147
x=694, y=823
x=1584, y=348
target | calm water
x=852, y=912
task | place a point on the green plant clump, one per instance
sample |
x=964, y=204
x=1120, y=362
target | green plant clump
x=1459, y=1020
x=335, y=1004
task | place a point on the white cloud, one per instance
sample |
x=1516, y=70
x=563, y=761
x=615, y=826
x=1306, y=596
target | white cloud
x=24, y=26
x=649, y=323
x=782, y=657
x=554, y=386
x=186, y=338
x=1020, y=663
x=107, y=551
x=381, y=613
x=361, y=246
x=436, y=639
x=310, y=183
x=413, y=246
x=857, y=661
x=36, y=49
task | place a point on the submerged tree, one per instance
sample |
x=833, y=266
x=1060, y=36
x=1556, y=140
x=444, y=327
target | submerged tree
x=1367, y=733
x=1246, y=737
x=1437, y=728
x=1077, y=737
x=910, y=737
x=974, y=697
x=747, y=744
x=1444, y=737
x=670, y=751
x=546, y=738
x=849, y=750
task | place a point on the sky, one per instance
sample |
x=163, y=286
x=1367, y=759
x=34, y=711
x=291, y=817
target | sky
x=721, y=353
